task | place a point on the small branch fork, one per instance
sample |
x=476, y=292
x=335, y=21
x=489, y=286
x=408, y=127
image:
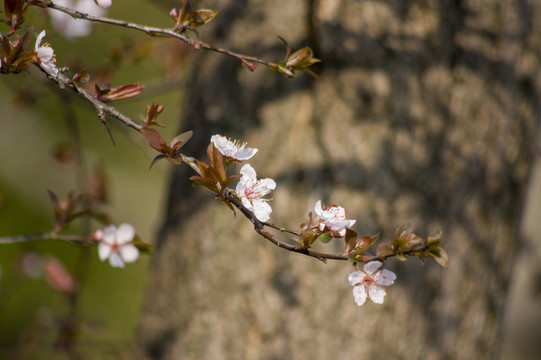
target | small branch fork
x=156, y=31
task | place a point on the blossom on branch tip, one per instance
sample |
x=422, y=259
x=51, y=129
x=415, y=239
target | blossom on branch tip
x=116, y=244
x=370, y=282
x=232, y=149
x=334, y=218
x=250, y=191
x=45, y=56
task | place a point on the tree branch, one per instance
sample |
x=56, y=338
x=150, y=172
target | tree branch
x=155, y=31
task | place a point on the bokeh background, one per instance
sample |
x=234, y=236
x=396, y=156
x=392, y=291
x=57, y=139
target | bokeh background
x=36, y=121
x=425, y=112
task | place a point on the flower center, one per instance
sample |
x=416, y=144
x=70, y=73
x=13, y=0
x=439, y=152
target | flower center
x=256, y=191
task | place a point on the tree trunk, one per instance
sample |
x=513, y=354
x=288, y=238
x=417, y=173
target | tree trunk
x=424, y=112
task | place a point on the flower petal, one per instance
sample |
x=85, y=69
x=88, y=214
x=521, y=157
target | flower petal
x=356, y=278
x=116, y=261
x=249, y=172
x=104, y=250
x=376, y=293
x=39, y=39
x=245, y=154
x=261, y=210
x=124, y=234
x=385, y=277
x=372, y=266
x=265, y=186
x=359, y=294
x=109, y=235
x=129, y=253
x=318, y=208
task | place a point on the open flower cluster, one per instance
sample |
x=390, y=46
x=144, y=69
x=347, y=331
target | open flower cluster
x=331, y=220
x=249, y=189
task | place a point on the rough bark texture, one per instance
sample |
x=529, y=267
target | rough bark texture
x=425, y=112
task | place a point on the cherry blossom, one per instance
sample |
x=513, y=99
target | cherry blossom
x=45, y=55
x=116, y=245
x=334, y=218
x=370, y=281
x=71, y=27
x=250, y=190
x=232, y=149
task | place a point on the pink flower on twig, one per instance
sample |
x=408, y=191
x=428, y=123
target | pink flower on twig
x=116, y=244
x=250, y=190
x=334, y=218
x=232, y=149
x=370, y=282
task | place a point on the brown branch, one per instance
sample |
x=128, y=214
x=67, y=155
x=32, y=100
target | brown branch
x=102, y=109
x=155, y=31
x=260, y=229
x=51, y=235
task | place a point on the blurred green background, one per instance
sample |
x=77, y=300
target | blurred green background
x=35, y=120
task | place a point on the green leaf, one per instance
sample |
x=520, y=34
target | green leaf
x=324, y=238
x=439, y=254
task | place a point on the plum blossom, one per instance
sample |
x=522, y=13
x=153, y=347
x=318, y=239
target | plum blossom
x=334, y=218
x=370, y=281
x=232, y=149
x=71, y=27
x=116, y=244
x=45, y=55
x=250, y=190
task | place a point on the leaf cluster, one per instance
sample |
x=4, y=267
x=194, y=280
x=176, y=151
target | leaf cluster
x=214, y=174
x=13, y=59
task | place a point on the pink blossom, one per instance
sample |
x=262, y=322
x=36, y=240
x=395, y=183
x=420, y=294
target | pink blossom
x=370, y=282
x=334, y=218
x=116, y=244
x=232, y=149
x=250, y=190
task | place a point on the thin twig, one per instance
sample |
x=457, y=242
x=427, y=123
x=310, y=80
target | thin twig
x=51, y=235
x=101, y=108
x=260, y=229
x=155, y=31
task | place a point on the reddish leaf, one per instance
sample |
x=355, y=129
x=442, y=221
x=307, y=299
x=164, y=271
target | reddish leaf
x=82, y=76
x=181, y=139
x=58, y=277
x=155, y=140
x=152, y=113
x=107, y=93
x=384, y=249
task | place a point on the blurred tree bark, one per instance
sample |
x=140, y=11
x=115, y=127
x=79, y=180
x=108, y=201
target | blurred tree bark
x=425, y=112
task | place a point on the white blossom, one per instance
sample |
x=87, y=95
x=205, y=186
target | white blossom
x=71, y=27
x=46, y=57
x=116, y=244
x=250, y=190
x=370, y=282
x=232, y=149
x=334, y=218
